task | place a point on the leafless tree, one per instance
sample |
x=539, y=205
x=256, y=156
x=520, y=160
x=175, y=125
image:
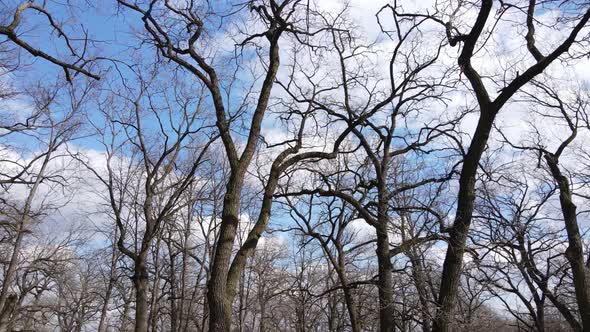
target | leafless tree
x=189, y=51
x=473, y=37
x=375, y=115
x=38, y=174
x=293, y=166
x=571, y=110
x=163, y=163
x=517, y=251
x=331, y=232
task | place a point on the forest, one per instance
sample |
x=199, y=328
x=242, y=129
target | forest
x=294, y=165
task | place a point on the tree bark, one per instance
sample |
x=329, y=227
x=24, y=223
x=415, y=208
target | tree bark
x=385, y=282
x=453, y=263
x=575, y=250
x=141, y=284
x=219, y=303
x=421, y=287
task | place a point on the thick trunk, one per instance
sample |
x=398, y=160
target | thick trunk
x=453, y=263
x=219, y=295
x=224, y=277
x=219, y=303
x=575, y=251
x=458, y=233
x=140, y=282
x=385, y=282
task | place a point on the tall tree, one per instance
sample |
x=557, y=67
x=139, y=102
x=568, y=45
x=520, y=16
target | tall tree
x=489, y=106
x=189, y=51
x=164, y=162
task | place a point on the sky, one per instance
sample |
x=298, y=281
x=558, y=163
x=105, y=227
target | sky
x=114, y=32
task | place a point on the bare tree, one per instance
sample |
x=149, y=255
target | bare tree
x=164, y=163
x=332, y=235
x=190, y=53
x=517, y=252
x=289, y=165
x=52, y=129
x=547, y=103
x=474, y=39
x=374, y=108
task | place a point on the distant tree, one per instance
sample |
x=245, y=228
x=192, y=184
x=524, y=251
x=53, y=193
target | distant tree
x=35, y=176
x=164, y=162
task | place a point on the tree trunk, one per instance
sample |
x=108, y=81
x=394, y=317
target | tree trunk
x=6, y=304
x=421, y=286
x=140, y=282
x=102, y=325
x=262, y=324
x=575, y=250
x=453, y=263
x=175, y=317
x=349, y=300
x=7, y=310
x=219, y=303
x=154, y=304
x=385, y=282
